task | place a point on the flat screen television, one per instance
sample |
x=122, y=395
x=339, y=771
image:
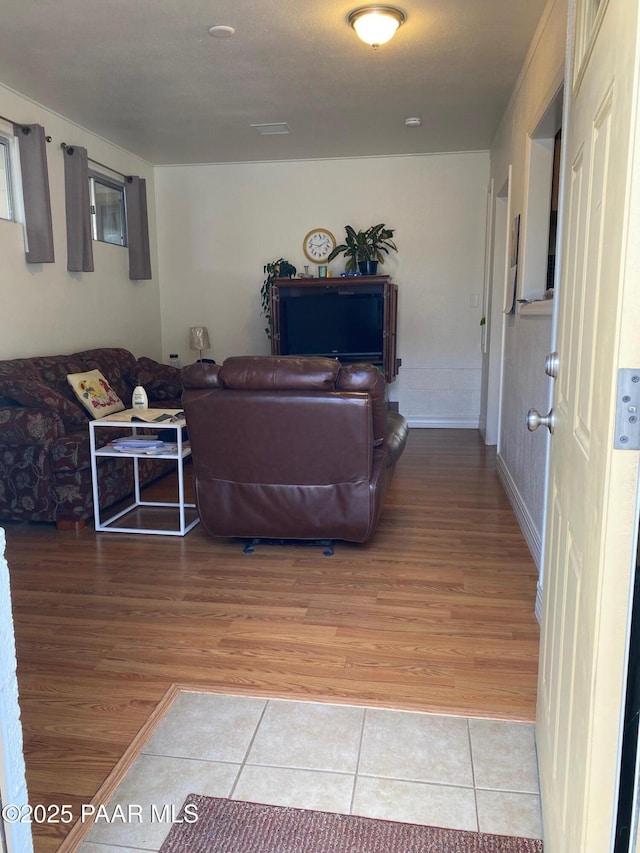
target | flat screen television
x=337, y=322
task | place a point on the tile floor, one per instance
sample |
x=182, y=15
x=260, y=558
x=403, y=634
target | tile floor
x=454, y=772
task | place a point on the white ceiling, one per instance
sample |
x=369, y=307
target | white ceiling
x=146, y=75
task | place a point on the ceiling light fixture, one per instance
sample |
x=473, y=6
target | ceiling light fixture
x=413, y=121
x=376, y=25
x=221, y=31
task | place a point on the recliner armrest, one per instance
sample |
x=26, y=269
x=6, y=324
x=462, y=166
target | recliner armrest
x=200, y=375
x=395, y=437
x=368, y=379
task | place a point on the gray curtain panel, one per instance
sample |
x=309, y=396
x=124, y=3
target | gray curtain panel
x=78, y=204
x=35, y=191
x=135, y=192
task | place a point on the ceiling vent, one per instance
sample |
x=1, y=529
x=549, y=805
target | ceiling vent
x=273, y=128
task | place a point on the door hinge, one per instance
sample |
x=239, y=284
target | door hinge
x=627, y=436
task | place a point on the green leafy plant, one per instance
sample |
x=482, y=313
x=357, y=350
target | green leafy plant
x=273, y=270
x=379, y=240
x=369, y=245
x=354, y=248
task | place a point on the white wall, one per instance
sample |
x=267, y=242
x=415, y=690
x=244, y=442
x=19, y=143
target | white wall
x=521, y=454
x=219, y=224
x=13, y=787
x=45, y=310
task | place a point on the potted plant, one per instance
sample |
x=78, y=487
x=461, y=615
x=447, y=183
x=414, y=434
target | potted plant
x=273, y=270
x=364, y=250
x=354, y=248
x=380, y=242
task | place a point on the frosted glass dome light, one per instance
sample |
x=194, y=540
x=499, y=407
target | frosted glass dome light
x=376, y=25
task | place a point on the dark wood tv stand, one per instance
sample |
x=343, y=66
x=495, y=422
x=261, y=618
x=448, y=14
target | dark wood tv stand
x=382, y=284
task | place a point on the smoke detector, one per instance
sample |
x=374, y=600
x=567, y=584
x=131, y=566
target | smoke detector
x=221, y=31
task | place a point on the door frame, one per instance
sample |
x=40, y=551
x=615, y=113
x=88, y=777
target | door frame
x=13, y=786
x=496, y=283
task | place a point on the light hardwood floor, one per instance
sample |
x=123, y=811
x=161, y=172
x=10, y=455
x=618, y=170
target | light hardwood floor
x=436, y=614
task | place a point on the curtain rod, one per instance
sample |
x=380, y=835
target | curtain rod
x=21, y=124
x=64, y=147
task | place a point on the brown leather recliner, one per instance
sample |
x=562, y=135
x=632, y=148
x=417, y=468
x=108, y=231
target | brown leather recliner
x=288, y=447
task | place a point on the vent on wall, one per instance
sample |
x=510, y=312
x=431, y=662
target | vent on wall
x=274, y=128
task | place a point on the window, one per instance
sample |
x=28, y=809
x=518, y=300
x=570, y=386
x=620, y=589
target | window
x=6, y=193
x=108, y=220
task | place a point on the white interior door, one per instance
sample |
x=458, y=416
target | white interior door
x=486, y=308
x=493, y=333
x=592, y=487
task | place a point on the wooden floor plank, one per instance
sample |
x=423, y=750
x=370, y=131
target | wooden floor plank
x=435, y=614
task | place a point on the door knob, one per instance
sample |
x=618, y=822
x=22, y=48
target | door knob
x=551, y=364
x=535, y=419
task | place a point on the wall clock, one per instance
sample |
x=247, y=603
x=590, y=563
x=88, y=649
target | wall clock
x=318, y=245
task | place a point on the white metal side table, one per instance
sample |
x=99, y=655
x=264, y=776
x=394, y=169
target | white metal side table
x=178, y=451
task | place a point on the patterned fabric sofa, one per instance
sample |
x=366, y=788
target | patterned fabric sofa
x=45, y=466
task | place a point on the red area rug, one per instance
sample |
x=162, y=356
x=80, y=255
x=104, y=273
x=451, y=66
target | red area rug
x=229, y=826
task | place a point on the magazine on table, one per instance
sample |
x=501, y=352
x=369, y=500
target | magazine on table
x=156, y=416
x=151, y=445
x=151, y=416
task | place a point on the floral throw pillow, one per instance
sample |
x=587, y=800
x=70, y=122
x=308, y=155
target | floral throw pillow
x=95, y=393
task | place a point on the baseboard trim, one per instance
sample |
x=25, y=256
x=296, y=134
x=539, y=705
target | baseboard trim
x=443, y=423
x=531, y=535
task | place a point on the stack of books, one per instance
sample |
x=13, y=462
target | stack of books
x=147, y=445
